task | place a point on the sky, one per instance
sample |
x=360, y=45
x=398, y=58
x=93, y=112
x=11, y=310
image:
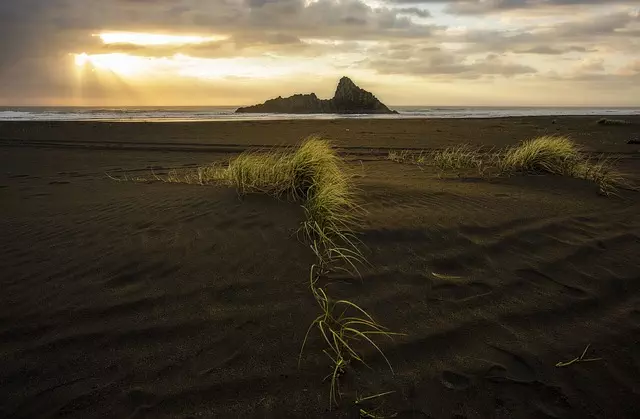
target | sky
x=240, y=52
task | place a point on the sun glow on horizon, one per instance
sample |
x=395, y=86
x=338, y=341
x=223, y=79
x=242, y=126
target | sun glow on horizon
x=81, y=59
x=122, y=64
x=153, y=39
x=187, y=67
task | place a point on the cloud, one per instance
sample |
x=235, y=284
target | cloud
x=475, y=7
x=494, y=40
x=549, y=50
x=581, y=34
x=38, y=35
x=630, y=69
x=414, y=11
x=432, y=61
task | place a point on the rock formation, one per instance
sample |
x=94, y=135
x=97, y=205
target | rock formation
x=348, y=99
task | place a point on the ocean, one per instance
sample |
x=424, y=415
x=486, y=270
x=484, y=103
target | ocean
x=220, y=113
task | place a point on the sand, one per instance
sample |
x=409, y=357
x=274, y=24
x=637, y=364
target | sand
x=154, y=300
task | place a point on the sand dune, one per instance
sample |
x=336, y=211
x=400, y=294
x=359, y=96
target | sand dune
x=123, y=299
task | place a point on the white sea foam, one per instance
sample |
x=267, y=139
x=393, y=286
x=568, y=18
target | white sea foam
x=226, y=113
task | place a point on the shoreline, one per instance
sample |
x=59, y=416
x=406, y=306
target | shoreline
x=347, y=132
x=312, y=117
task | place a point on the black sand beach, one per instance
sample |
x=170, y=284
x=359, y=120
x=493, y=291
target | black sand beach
x=157, y=300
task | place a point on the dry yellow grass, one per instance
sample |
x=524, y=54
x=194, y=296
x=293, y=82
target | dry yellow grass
x=314, y=175
x=548, y=154
x=556, y=155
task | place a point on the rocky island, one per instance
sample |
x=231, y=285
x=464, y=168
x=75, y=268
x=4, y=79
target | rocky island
x=348, y=99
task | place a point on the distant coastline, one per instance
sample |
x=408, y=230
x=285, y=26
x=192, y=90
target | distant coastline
x=227, y=113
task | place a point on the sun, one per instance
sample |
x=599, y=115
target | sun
x=81, y=59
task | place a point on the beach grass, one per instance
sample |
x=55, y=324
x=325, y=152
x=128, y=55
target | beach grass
x=342, y=324
x=607, y=121
x=457, y=158
x=557, y=155
x=314, y=175
x=549, y=154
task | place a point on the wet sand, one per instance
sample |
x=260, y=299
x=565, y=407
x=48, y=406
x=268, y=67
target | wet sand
x=154, y=300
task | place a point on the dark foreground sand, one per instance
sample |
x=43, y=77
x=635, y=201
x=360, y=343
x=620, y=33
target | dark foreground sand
x=160, y=300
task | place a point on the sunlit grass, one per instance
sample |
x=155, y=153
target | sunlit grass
x=458, y=158
x=561, y=156
x=556, y=155
x=314, y=175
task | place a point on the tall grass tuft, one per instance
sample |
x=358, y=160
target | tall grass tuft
x=557, y=155
x=561, y=156
x=266, y=172
x=314, y=175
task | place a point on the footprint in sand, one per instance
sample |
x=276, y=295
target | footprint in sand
x=509, y=366
x=455, y=381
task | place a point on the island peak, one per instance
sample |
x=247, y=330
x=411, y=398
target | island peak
x=348, y=99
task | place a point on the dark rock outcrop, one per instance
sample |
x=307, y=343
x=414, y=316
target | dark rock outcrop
x=348, y=99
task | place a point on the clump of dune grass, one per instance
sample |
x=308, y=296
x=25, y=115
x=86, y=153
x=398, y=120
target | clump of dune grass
x=314, y=175
x=264, y=172
x=401, y=156
x=560, y=156
x=458, y=158
x=602, y=172
x=606, y=121
x=452, y=159
x=556, y=155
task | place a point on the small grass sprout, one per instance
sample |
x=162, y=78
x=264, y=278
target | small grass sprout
x=581, y=358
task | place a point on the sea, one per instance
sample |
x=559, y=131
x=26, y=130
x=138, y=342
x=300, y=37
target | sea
x=221, y=113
